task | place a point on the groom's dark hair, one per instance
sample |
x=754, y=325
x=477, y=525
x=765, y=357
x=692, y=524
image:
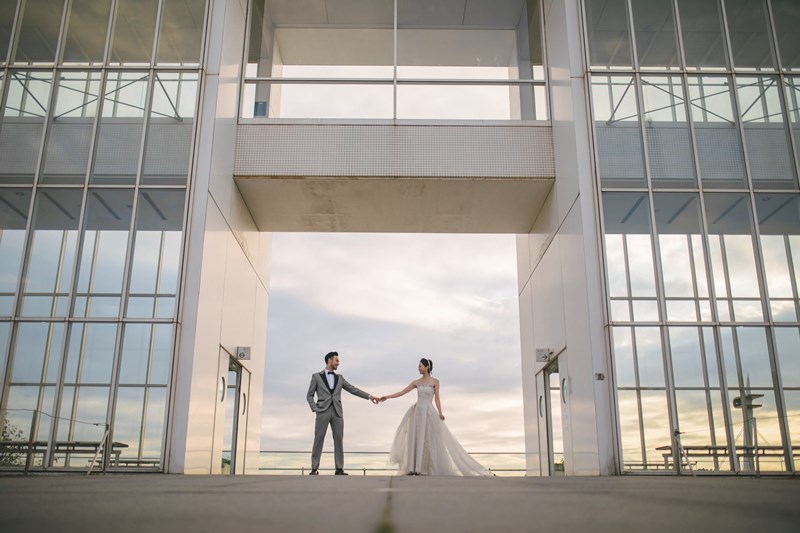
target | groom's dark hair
x=330, y=355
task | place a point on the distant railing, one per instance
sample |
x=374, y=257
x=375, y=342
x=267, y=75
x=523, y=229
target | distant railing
x=377, y=463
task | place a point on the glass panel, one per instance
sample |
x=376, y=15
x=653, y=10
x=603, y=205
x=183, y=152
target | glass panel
x=38, y=32
x=655, y=422
x=793, y=106
x=142, y=340
x=7, y=12
x=309, y=100
x=619, y=138
x=181, y=33
x=14, y=205
x=732, y=254
x=37, y=352
x=154, y=426
x=66, y=153
x=128, y=423
x=693, y=423
x=623, y=357
x=793, y=417
x=169, y=130
x=703, y=34
x=787, y=27
x=669, y=144
x=466, y=102
x=719, y=145
x=120, y=131
x=649, y=357
x=51, y=252
x=609, y=39
x=21, y=404
x=134, y=31
x=91, y=353
x=102, y=263
x=629, y=429
x=779, y=222
x=654, y=27
x=5, y=328
x=759, y=405
x=767, y=140
x=687, y=357
x=157, y=250
x=680, y=241
x=84, y=428
x=85, y=43
x=787, y=342
x=628, y=214
x=749, y=34
x=22, y=123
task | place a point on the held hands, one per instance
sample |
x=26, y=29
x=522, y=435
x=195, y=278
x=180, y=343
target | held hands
x=375, y=399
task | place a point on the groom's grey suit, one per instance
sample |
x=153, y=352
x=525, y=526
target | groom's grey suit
x=328, y=407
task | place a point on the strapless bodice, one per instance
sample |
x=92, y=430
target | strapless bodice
x=424, y=394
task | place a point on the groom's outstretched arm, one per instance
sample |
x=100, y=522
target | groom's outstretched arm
x=354, y=390
x=312, y=387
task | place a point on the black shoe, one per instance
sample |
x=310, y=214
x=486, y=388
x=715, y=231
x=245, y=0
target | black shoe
x=313, y=472
x=341, y=472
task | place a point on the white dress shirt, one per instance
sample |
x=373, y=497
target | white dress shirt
x=330, y=378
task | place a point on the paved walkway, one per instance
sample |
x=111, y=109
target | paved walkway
x=199, y=504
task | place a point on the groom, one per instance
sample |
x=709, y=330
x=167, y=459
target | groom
x=328, y=386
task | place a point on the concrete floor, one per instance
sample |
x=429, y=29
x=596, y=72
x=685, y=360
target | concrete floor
x=199, y=504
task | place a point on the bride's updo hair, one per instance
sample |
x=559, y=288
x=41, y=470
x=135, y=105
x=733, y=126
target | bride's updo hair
x=427, y=363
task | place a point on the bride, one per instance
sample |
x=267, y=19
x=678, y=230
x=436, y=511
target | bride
x=423, y=446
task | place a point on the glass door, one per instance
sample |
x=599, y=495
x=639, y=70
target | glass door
x=555, y=435
x=233, y=400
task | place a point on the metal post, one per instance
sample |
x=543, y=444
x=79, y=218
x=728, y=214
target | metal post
x=755, y=447
x=99, y=449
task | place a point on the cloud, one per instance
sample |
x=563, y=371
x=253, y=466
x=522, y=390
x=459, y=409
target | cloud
x=382, y=302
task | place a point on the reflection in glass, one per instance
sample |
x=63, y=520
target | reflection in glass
x=128, y=421
x=607, y=26
x=623, y=357
x=732, y=255
x=156, y=254
x=14, y=205
x=768, y=151
x=37, y=352
x=669, y=145
x=85, y=42
x=146, y=354
x=120, y=130
x=655, y=423
x=5, y=329
x=155, y=414
x=90, y=356
x=51, y=252
x=85, y=409
x=792, y=400
x=22, y=123
x=630, y=437
x=765, y=431
x=169, y=130
x=38, y=32
x=134, y=32
x=792, y=91
x=7, y=12
x=556, y=437
x=719, y=145
x=703, y=37
x=694, y=424
x=66, y=152
x=649, y=357
x=102, y=262
x=787, y=347
x=787, y=27
x=779, y=225
x=465, y=102
x=619, y=139
x=181, y=32
x=749, y=34
x=687, y=357
x=654, y=29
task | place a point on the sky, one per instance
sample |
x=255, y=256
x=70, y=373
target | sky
x=383, y=301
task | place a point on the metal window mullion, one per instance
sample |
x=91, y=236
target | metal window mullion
x=394, y=62
x=148, y=105
x=632, y=35
x=113, y=389
x=59, y=272
x=101, y=96
x=48, y=117
x=62, y=33
x=146, y=391
x=773, y=37
x=157, y=32
x=692, y=131
x=782, y=85
x=628, y=285
x=707, y=391
x=679, y=36
x=248, y=23
x=792, y=279
x=780, y=400
x=159, y=269
x=15, y=31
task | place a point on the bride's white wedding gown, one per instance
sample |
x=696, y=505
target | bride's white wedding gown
x=424, y=445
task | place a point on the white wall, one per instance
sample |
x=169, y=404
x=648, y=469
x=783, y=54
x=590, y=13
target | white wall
x=561, y=303
x=225, y=290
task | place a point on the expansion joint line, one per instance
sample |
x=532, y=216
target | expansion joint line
x=386, y=525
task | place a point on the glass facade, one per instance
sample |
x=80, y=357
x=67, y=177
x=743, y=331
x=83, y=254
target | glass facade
x=694, y=104
x=395, y=59
x=98, y=100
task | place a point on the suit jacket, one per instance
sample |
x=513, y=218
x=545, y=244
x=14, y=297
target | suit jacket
x=327, y=397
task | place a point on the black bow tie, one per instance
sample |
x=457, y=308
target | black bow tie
x=331, y=374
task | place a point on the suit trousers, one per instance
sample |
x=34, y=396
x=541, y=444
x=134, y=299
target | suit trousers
x=324, y=418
